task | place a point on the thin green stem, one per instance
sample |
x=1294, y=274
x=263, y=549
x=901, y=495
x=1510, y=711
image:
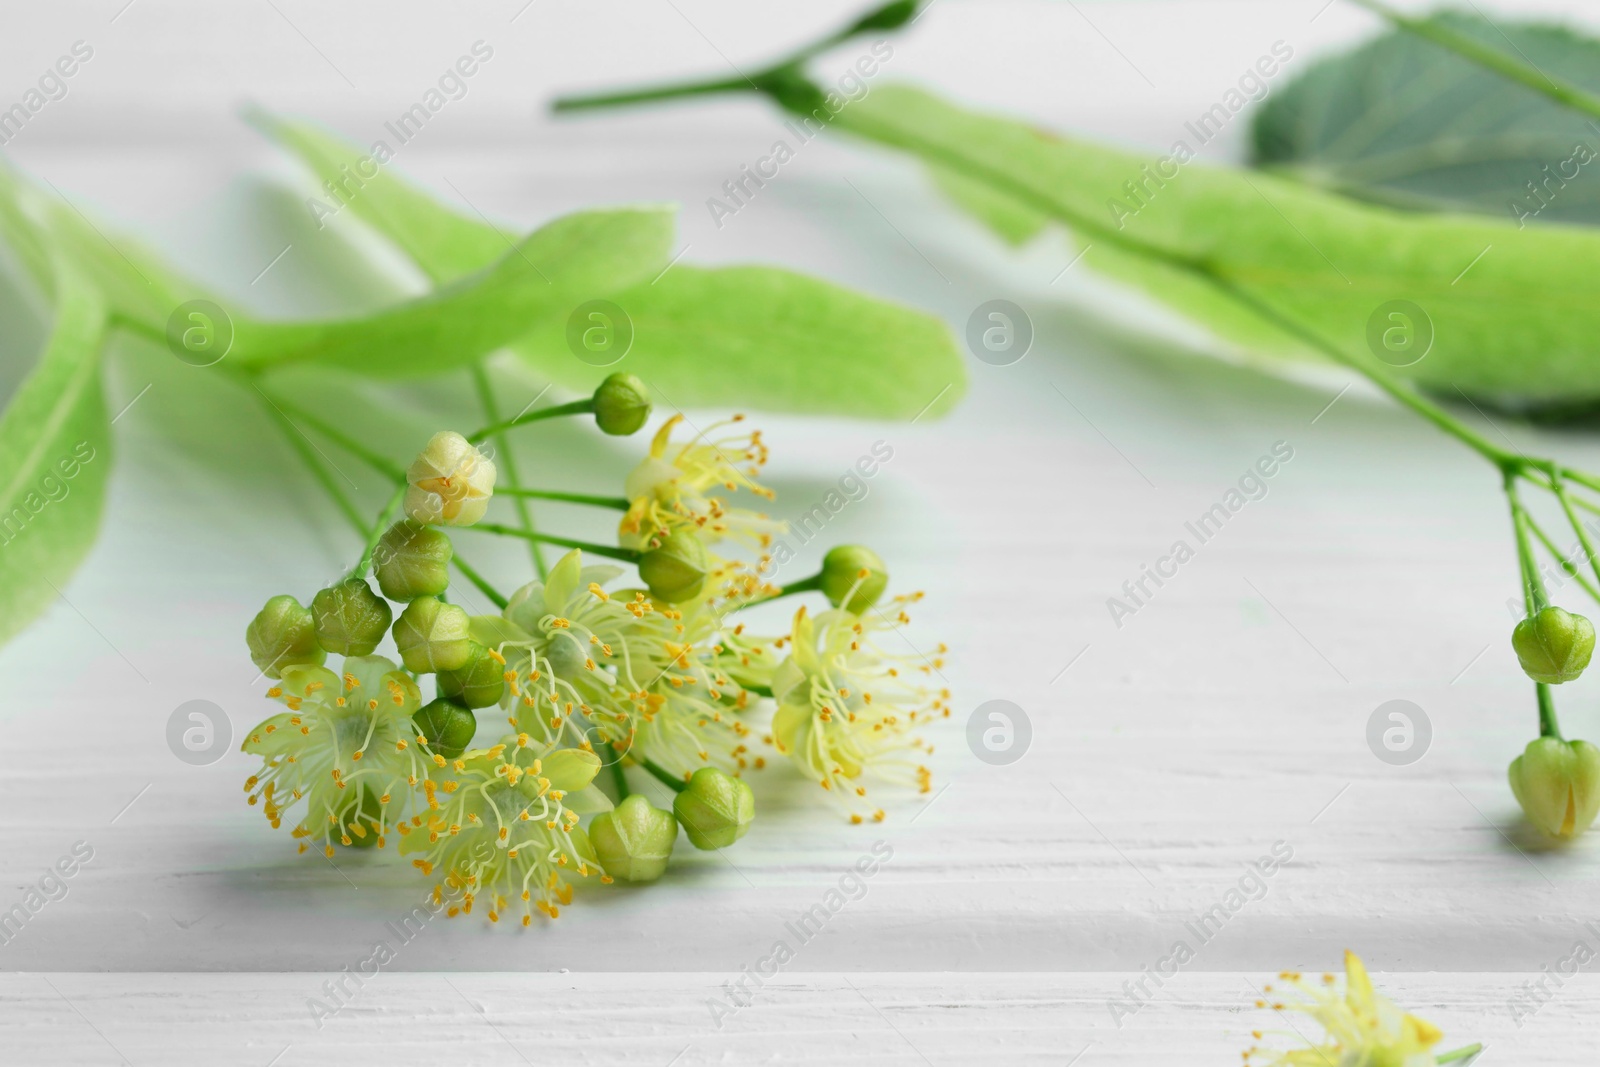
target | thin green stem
x=620, y=503
x=1562, y=495
x=380, y=463
x=1533, y=591
x=313, y=462
x=677, y=785
x=1548, y=725
x=890, y=16
x=1561, y=558
x=1465, y=1052
x=478, y=580
x=1469, y=48
x=575, y=407
x=480, y=382
x=627, y=555
x=385, y=518
x=650, y=94
x=804, y=585
x=619, y=777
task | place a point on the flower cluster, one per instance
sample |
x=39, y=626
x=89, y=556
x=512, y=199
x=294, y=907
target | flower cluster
x=1360, y=1026
x=660, y=680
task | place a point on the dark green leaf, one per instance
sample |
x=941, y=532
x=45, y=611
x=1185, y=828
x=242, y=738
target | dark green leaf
x=1406, y=122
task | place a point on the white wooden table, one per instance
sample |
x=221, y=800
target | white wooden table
x=1227, y=716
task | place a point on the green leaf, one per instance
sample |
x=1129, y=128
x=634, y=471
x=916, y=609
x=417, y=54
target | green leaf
x=436, y=238
x=732, y=336
x=1510, y=308
x=1013, y=222
x=1406, y=122
x=773, y=339
x=43, y=227
x=583, y=255
x=57, y=443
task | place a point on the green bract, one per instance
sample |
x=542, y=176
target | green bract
x=412, y=560
x=1553, y=646
x=621, y=405
x=715, y=809
x=433, y=636
x=350, y=618
x=676, y=568
x=477, y=683
x=1558, y=785
x=634, y=841
x=856, y=573
x=281, y=635
x=448, y=727
x=1517, y=326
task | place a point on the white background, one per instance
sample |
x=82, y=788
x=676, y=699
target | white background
x=1227, y=715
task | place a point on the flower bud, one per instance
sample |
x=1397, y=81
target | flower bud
x=569, y=769
x=634, y=840
x=283, y=634
x=676, y=568
x=447, y=725
x=1553, y=646
x=477, y=684
x=621, y=405
x=351, y=619
x=365, y=810
x=451, y=482
x=715, y=809
x=856, y=574
x=433, y=636
x=1558, y=785
x=412, y=560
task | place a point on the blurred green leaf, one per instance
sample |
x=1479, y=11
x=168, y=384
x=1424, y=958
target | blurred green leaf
x=57, y=442
x=578, y=256
x=424, y=229
x=731, y=336
x=1510, y=307
x=773, y=339
x=1406, y=122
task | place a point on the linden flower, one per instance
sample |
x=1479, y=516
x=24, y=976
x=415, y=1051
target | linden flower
x=671, y=488
x=504, y=833
x=628, y=670
x=1362, y=1028
x=688, y=717
x=846, y=707
x=345, y=746
x=450, y=482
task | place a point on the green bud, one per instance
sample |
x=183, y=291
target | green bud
x=433, y=636
x=1553, y=646
x=412, y=560
x=715, y=810
x=283, y=634
x=634, y=840
x=853, y=567
x=1558, y=785
x=621, y=405
x=351, y=619
x=675, y=569
x=569, y=769
x=890, y=16
x=477, y=684
x=447, y=725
